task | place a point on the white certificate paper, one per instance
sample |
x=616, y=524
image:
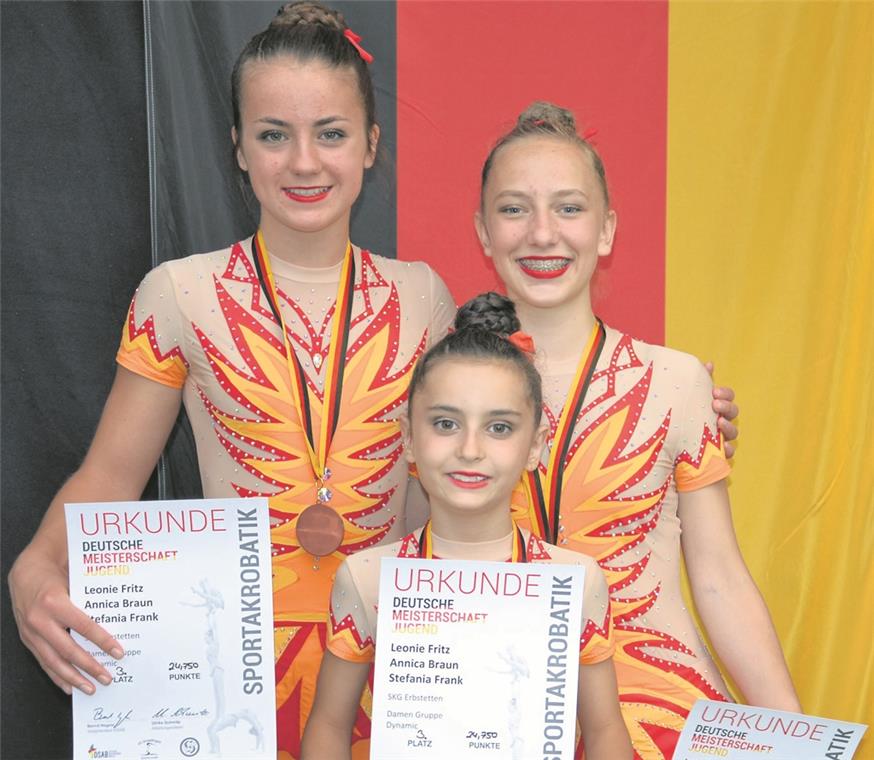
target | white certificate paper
x=740, y=732
x=186, y=588
x=476, y=660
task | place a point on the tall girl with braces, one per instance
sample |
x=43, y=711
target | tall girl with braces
x=634, y=471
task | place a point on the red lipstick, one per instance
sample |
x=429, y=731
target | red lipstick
x=469, y=480
x=556, y=267
x=306, y=194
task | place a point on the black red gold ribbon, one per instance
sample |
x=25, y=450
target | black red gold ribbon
x=544, y=490
x=335, y=362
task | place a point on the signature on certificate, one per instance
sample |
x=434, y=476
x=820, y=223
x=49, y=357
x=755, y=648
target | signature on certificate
x=184, y=711
x=110, y=719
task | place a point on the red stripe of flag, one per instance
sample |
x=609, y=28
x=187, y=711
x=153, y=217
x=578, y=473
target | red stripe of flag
x=466, y=70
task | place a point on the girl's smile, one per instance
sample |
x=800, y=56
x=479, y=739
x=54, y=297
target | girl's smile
x=544, y=267
x=307, y=194
x=468, y=479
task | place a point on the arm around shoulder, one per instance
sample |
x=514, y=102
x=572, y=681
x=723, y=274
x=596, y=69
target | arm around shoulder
x=732, y=609
x=133, y=429
x=727, y=410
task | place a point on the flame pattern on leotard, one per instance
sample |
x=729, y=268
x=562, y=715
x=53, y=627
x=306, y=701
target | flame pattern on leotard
x=614, y=495
x=255, y=424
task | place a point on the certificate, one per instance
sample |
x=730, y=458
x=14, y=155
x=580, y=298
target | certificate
x=186, y=588
x=740, y=732
x=476, y=660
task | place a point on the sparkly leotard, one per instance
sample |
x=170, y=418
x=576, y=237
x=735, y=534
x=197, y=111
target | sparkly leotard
x=645, y=434
x=202, y=324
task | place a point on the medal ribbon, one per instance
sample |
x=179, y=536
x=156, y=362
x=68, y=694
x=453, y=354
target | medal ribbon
x=544, y=491
x=340, y=327
x=426, y=544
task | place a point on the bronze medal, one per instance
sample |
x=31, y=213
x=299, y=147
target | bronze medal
x=320, y=530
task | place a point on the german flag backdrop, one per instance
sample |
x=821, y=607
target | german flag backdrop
x=739, y=145
x=739, y=148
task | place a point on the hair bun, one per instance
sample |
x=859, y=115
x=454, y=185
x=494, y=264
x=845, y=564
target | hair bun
x=546, y=119
x=541, y=113
x=491, y=312
x=306, y=12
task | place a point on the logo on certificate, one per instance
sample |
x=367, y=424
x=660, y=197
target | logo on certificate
x=149, y=749
x=99, y=754
x=189, y=747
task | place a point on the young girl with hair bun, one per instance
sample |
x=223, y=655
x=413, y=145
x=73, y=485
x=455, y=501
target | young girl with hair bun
x=261, y=342
x=473, y=425
x=634, y=472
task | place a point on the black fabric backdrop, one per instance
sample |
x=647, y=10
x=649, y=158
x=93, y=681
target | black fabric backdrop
x=75, y=241
x=80, y=228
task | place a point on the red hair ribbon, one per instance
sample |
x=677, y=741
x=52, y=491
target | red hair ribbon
x=589, y=134
x=523, y=341
x=355, y=39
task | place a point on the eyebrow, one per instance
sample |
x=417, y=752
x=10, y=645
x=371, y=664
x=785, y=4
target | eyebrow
x=491, y=413
x=318, y=123
x=557, y=193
